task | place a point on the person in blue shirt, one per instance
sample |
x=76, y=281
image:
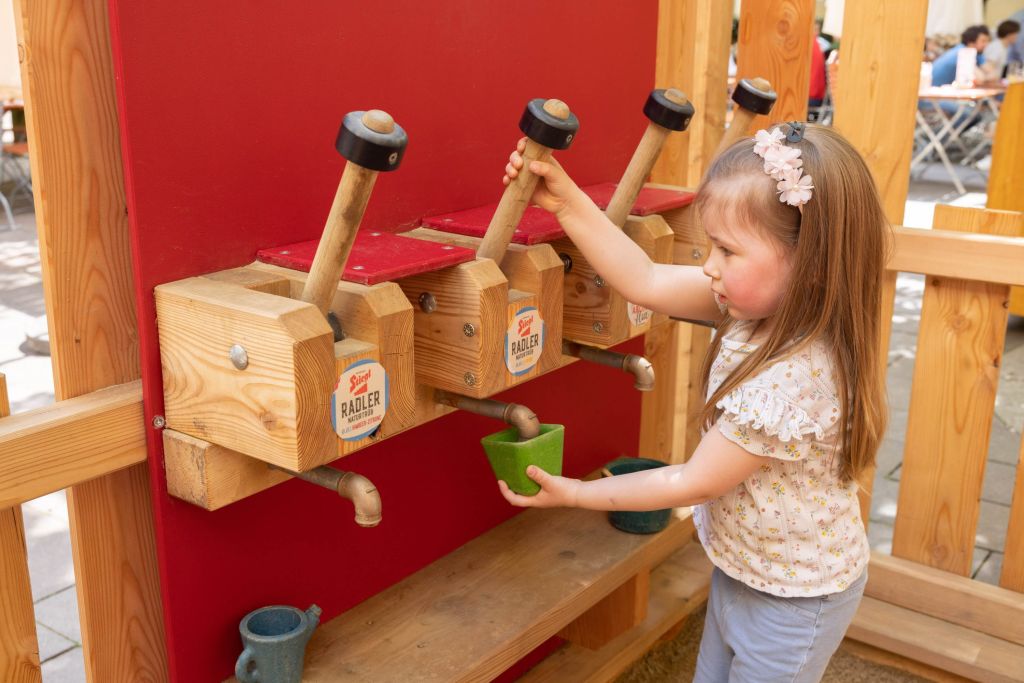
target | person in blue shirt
x=944, y=68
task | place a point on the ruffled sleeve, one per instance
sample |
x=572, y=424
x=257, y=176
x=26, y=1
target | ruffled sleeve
x=789, y=411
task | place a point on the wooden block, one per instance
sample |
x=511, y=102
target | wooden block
x=70, y=442
x=962, y=651
x=880, y=55
x=458, y=345
x=986, y=258
x=535, y=269
x=679, y=585
x=379, y=315
x=277, y=407
x=957, y=599
x=259, y=280
x=481, y=608
x=619, y=611
x=212, y=476
x=597, y=315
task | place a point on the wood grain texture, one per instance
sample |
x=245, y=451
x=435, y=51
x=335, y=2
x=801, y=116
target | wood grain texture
x=19, y=649
x=1012, y=576
x=679, y=585
x=70, y=442
x=880, y=57
x=75, y=151
x=1008, y=167
x=474, y=612
x=962, y=651
x=775, y=43
x=957, y=599
x=963, y=325
x=275, y=409
x=693, y=56
x=618, y=612
x=984, y=258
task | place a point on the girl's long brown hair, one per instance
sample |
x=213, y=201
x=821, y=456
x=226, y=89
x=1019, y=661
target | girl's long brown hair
x=839, y=248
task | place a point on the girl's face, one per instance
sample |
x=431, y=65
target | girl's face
x=749, y=270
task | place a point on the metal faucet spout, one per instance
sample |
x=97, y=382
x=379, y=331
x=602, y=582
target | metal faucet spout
x=357, y=488
x=519, y=416
x=638, y=366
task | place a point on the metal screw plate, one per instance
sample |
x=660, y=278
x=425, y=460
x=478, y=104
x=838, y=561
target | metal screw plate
x=470, y=379
x=468, y=329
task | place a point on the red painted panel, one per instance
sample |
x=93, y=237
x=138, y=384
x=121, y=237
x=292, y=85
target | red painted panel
x=375, y=257
x=537, y=225
x=228, y=115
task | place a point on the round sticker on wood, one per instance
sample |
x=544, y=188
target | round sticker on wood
x=360, y=400
x=524, y=340
x=638, y=315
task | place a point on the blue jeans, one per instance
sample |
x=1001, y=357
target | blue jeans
x=758, y=637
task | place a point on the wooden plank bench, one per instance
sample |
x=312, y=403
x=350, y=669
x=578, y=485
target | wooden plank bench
x=478, y=610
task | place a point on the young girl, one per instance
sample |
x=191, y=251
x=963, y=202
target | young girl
x=795, y=395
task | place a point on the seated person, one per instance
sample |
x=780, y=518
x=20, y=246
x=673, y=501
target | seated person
x=944, y=69
x=995, y=54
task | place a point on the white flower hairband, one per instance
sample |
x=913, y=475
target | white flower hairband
x=784, y=164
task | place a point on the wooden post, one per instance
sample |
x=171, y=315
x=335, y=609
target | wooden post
x=19, y=649
x=775, y=43
x=693, y=51
x=1008, y=168
x=74, y=145
x=881, y=53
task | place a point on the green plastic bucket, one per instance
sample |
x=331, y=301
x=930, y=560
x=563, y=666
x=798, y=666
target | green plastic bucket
x=510, y=457
x=649, y=522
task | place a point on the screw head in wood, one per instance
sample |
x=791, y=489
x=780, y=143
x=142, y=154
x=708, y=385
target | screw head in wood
x=468, y=329
x=159, y=422
x=470, y=379
x=239, y=357
x=598, y=327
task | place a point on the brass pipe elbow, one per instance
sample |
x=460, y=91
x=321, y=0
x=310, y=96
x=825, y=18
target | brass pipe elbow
x=519, y=416
x=357, y=488
x=638, y=366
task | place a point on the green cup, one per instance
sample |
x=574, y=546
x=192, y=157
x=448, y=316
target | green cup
x=510, y=457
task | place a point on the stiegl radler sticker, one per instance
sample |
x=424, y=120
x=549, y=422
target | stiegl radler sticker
x=360, y=400
x=638, y=315
x=524, y=340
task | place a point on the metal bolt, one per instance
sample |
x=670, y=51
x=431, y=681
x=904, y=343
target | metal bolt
x=696, y=254
x=428, y=304
x=374, y=234
x=598, y=327
x=159, y=422
x=468, y=329
x=566, y=262
x=470, y=379
x=447, y=247
x=599, y=281
x=358, y=267
x=285, y=252
x=239, y=357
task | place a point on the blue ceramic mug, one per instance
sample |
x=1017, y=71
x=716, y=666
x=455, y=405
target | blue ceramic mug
x=274, y=640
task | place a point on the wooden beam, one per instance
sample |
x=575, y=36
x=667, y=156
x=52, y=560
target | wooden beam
x=618, y=612
x=775, y=43
x=963, y=327
x=693, y=55
x=19, y=649
x=960, y=650
x=1012, y=576
x=943, y=253
x=1008, y=167
x=956, y=599
x=75, y=151
x=70, y=442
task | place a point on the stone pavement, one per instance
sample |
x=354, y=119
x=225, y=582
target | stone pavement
x=22, y=335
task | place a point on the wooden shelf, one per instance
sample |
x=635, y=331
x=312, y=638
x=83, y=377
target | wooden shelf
x=678, y=586
x=473, y=613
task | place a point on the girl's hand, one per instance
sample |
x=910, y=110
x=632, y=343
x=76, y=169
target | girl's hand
x=554, y=492
x=556, y=190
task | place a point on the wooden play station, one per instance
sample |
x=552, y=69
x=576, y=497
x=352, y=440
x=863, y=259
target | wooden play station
x=255, y=312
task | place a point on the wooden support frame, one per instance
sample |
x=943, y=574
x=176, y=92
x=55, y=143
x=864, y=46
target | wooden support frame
x=74, y=146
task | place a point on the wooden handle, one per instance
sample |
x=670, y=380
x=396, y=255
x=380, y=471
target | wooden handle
x=636, y=173
x=339, y=235
x=738, y=129
x=512, y=205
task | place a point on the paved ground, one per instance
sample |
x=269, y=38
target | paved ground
x=30, y=385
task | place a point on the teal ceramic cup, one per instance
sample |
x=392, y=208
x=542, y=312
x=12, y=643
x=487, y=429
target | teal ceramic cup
x=637, y=522
x=274, y=640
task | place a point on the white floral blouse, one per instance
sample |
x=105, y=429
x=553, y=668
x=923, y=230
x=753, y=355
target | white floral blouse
x=793, y=528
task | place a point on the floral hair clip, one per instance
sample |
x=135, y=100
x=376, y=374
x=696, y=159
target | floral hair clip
x=784, y=163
